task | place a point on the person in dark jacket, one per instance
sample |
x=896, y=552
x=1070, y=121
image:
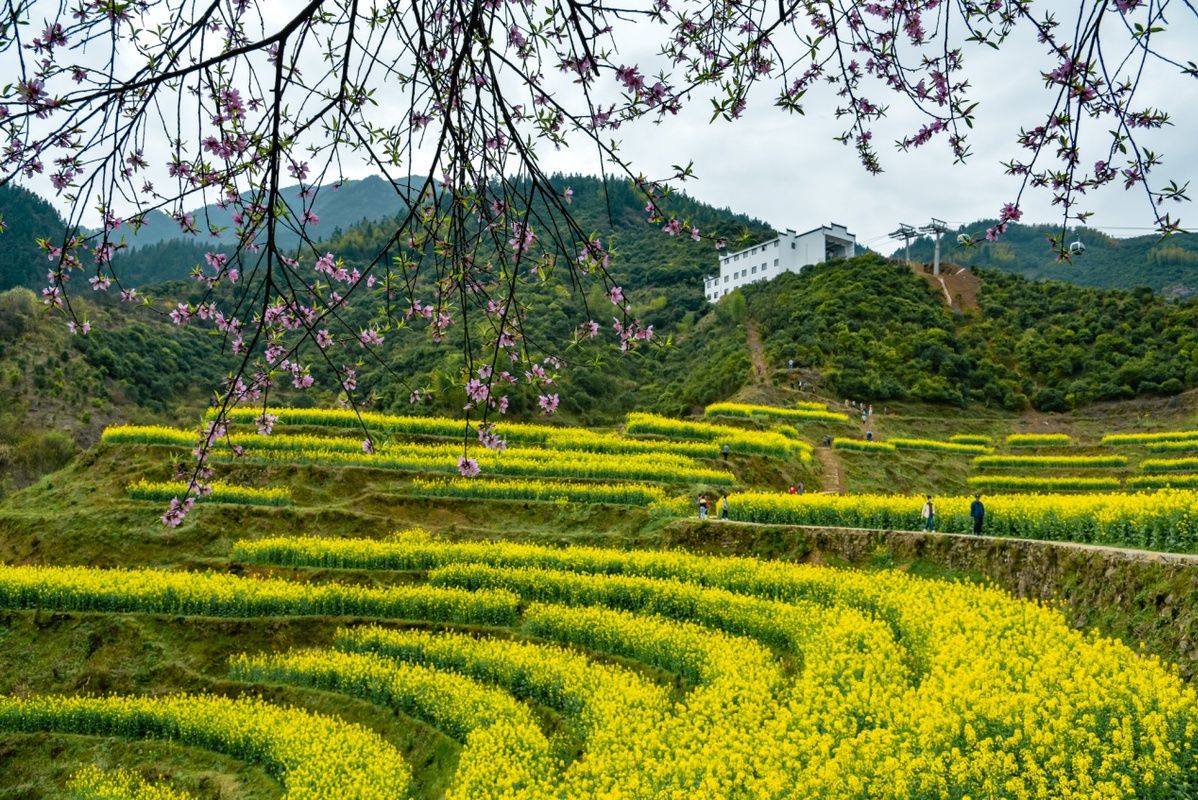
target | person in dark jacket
x=978, y=512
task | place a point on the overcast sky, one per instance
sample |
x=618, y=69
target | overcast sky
x=788, y=171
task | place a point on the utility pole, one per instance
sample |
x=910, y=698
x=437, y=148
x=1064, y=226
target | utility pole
x=906, y=233
x=936, y=227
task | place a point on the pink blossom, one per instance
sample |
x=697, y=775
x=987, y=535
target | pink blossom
x=368, y=447
x=177, y=511
x=617, y=295
x=672, y=228
x=370, y=336
x=569, y=195
x=266, y=423
x=590, y=329
x=548, y=403
x=522, y=237
x=467, y=466
x=310, y=217
x=695, y=234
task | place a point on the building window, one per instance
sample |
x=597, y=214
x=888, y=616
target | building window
x=725, y=279
x=792, y=246
x=775, y=262
x=777, y=242
x=754, y=269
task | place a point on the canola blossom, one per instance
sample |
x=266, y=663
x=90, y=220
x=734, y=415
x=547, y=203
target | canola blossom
x=1125, y=439
x=650, y=466
x=215, y=492
x=315, y=757
x=971, y=438
x=1042, y=483
x=1049, y=462
x=802, y=412
x=1169, y=465
x=1165, y=520
x=559, y=437
x=780, y=680
x=209, y=594
x=1039, y=440
x=93, y=783
x=505, y=752
x=773, y=444
x=937, y=446
x=862, y=445
x=628, y=494
x=1165, y=481
x=1176, y=446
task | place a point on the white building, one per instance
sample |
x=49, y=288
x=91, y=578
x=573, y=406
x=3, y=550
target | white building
x=789, y=252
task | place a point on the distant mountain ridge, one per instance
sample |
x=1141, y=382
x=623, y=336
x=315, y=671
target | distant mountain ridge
x=1165, y=265
x=338, y=206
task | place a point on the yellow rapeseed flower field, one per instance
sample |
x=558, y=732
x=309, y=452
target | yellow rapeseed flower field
x=766, y=679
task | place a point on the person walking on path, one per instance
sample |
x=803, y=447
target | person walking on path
x=702, y=506
x=724, y=451
x=978, y=512
x=724, y=507
x=929, y=515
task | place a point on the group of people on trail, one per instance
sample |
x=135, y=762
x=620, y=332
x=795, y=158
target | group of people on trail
x=977, y=509
x=977, y=512
x=705, y=506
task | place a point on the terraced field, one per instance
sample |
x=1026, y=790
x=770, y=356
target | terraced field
x=579, y=673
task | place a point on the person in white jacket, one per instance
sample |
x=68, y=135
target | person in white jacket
x=929, y=515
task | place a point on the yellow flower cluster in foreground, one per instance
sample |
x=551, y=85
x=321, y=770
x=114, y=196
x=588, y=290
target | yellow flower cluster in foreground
x=216, y=492
x=788, y=680
x=209, y=594
x=93, y=783
x=315, y=757
x=803, y=412
x=1165, y=520
x=774, y=444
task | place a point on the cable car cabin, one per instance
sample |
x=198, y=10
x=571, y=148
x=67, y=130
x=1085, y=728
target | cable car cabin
x=1076, y=249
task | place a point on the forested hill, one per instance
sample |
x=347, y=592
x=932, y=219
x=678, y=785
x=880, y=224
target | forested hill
x=1166, y=265
x=27, y=218
x=872, y=329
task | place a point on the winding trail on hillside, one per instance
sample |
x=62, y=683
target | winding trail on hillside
x=756, y=353
x=831, y=475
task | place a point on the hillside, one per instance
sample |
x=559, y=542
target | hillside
x=26, y=218
x=1169, y=265
x=872, y=330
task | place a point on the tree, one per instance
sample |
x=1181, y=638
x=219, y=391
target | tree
x=136, y=107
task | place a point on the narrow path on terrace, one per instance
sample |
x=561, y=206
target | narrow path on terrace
x=756, y=353
x=831, y=475
x=1132, y=554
